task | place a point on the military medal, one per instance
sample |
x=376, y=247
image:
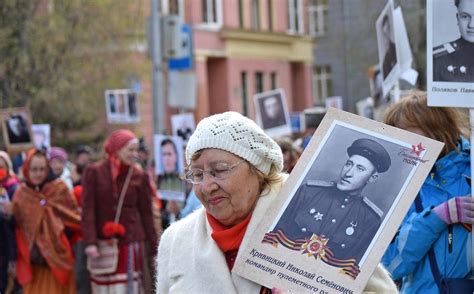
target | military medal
x=350, y=230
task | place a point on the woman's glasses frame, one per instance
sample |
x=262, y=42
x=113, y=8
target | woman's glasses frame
x=217, y=175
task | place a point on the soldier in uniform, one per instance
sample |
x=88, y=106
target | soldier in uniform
x=453, y=61
x=272, y=114
x=390, y=56
x=338, y=210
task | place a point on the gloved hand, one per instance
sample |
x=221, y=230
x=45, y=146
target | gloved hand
x=456, y=210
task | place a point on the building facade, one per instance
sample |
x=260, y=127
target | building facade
x=243, y=47
x=344, y=31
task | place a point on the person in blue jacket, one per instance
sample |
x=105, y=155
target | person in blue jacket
x=440, y=219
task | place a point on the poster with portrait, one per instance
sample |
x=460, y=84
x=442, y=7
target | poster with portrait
x=387, y=47
x=334, y=101
x=339, y=209
x=122, y=106
x=41, y=135
x=272, y=113
x=449, y=53
x=183, y=125
x=169, y=166
x=16, y=129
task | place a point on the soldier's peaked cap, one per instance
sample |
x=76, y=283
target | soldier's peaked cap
x=373, y=151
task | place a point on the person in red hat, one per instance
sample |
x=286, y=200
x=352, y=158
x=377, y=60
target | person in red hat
x=103, y=183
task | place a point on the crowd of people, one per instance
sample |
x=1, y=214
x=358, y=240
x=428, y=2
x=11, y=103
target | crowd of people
x=54, y=213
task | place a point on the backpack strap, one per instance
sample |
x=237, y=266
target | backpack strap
x=431, y=255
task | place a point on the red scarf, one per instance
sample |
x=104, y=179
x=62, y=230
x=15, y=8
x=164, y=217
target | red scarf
x=228, y=239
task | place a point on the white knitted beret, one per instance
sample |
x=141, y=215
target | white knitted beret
x=233, y=132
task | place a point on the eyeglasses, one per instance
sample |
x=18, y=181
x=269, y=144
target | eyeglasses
x=220, y=172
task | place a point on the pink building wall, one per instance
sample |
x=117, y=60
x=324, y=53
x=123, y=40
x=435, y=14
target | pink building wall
x=219, y=76
x=237, y=66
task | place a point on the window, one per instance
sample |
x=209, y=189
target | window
x=243, y=85
x=322, y=84
x=173, y=7
x=241, y=14
x=212, y=12
x=273, y=80
x=256, y=15
x=258, y=82
x=318, y=15
x=270, y=15
x=295, y=16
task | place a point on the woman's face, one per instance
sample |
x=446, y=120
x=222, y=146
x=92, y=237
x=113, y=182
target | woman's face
x=168, y=153
x=128, y=154
x=232, y=199
x=57, y=166
x=38, y=170
x=3, y=164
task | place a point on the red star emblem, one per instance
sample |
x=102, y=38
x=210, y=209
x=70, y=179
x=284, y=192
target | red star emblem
x=417, y=149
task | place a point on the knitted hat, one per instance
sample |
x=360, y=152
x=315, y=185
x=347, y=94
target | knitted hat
x=58, y=153
x=118, y=139
x=233, y=132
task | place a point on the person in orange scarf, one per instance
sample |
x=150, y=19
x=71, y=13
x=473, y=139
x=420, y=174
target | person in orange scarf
x=103, y=183
x=44, y=211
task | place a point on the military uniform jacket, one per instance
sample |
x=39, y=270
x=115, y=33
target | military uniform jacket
x=454, y=62
x=318, y=207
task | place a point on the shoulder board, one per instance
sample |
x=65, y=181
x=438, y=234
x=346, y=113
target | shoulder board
x=374, y=207
x=320, y=183
x=445, y=49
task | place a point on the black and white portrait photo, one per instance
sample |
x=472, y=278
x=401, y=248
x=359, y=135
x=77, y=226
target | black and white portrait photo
x=347, y=193
x=450, y=51
x=340, y=207
x=453, y=60
x=18, y=131
x=183, y=125
x=272, y=112
x=16, y=125
x=387, y=46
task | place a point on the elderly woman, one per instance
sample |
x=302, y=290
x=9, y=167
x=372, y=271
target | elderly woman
x=236, y=172
x=103, y=183
x=45, y=212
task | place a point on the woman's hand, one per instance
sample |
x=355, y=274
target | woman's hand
x=456, y=210
x=277, y=291
x=92, y=251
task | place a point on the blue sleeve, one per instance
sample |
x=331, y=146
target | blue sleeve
x=415, y=236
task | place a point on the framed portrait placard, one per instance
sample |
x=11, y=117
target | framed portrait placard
x=41, y=135
x=169, y=161
x=272, y=113
x=16, y=129
x=387, y=44
x=183, y=125
x=449, y=53
x=339, y=209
